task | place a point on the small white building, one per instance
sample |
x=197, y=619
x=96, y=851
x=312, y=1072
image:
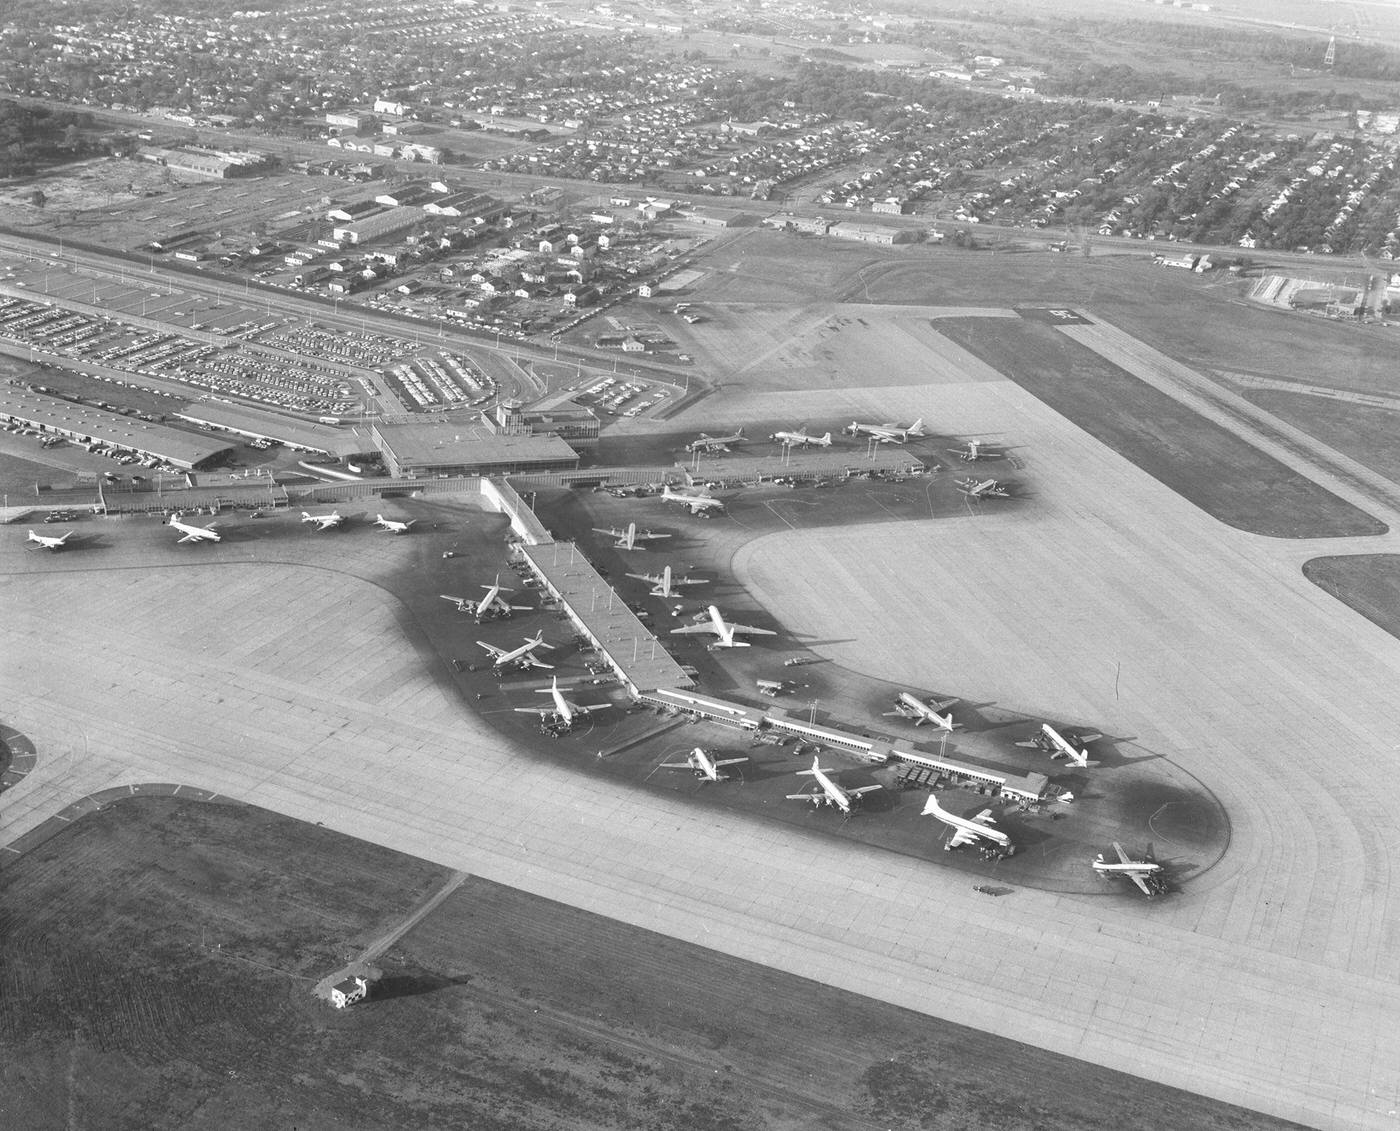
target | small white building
x=349, y=991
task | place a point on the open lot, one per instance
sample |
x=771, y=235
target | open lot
x=184, y=1000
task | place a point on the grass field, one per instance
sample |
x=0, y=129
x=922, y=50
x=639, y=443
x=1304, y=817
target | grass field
x=1366, y=434
x=160, y=955
x=1200, y=460
x=1368, y=583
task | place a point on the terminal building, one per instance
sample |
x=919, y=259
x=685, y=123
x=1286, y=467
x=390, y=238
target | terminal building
x=557, y=415
x=432, y=449
x=93, y=427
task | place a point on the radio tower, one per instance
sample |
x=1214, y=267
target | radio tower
x=1331, y=56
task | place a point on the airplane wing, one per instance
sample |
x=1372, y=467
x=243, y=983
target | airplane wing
x=853, y=792
x=962, y=836
x=1123, y=856
x=680, y=765
x=749, y=629
x=1141, y=883
x=496, y=653
x=984, y=818
x=691, y=629
x=189, y=538
x=735, y=761
x=529, y=660
x=536, y=710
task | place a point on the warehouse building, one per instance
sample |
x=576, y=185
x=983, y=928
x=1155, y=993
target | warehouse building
x=97, y=428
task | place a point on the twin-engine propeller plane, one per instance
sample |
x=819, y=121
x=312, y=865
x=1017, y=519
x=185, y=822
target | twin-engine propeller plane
x=966, y=830
x=983, y=488
x=522, y=657
x=46, y=543
x=800, y=438
x=631, y=537
x=393, y=526
x=493, y=604
x=976, y=450
x=704, y=765
x=910, y=706
x=1072, y=745
x=888, y=433
x=704, y=443
x=324, y=521
x=563, y=712
x=696, y=504
x=828, y=792
x=194, y=533
x=1144, y=873
x=664, y=585
x=723, y=631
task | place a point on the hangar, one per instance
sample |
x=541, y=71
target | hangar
x=84, y=424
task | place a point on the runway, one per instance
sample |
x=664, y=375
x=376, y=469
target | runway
x=1269, y=982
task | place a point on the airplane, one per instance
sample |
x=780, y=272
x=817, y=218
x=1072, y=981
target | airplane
x=46, y=543
x=664, y=585
x=888, y=433
x=1071, y=745
x=492, y=602
x=704, y=443
x=324, y=521
x=975, y=451
x=194, y=533
x=1136, y=870
x=392, y=526
x=704, y=765
x=830, y=793
x=910, y=706
x=522, y=657
x=801, y=439
x=967, y=830
x=563, y=711
x=986, y=489
x=723, y=630
x=629, y=538
x=698, y=504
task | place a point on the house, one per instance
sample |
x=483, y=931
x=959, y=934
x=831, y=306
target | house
x=349, y=991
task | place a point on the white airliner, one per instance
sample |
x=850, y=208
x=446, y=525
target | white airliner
x=563, y=710
x=910, y=706
x=723, y=631
x=801, y=438
x=630, y=538
x=975, y=451
x=828, y=792
x=704, y=765
x=324, y=521
x=47, y=543
x=194, y=533
x=888, y=433
x=966, y=830
x=522, y=657
x=391, y=525
x=698, y=504
x=982, y=489
x=1136, y=870
x=492, y=604
x=664, y=585
x=1071, y=745
x=704, y=443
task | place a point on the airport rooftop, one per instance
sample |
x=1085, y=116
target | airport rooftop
x=85, y=424
x=456, y=448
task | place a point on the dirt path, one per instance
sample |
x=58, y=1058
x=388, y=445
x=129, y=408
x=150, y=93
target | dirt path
x=361, y=963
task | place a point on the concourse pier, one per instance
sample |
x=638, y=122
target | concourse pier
x=600, y=615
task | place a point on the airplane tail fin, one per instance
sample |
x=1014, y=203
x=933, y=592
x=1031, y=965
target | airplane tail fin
x=917, y=428
x=740, y=433
x=826, y=439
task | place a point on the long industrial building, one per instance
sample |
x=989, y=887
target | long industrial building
x=84, y=424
